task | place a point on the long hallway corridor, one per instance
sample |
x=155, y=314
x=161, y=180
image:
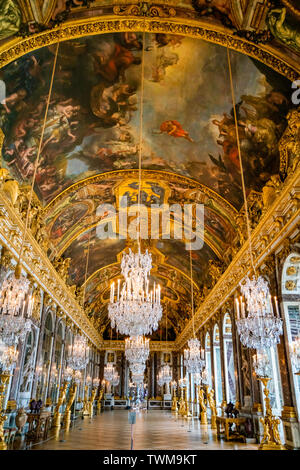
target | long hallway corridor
x=154, y=430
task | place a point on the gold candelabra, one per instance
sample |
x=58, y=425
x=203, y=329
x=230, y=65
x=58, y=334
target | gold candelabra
x=85, y=410
x=187, y=413
x=174, y=401
x=212, y=404
x=182, y=408
x=91, y=401
x=100, y=400
x=61, y=398
x=271, y=438
x=67, y=415
x=203, y=410
x=4, y=378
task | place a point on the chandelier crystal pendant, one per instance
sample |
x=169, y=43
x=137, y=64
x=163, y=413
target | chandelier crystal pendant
x=78, y=353
x=260, y=329
x=192, y=360
x=261, y=364
x=134, y=310
x=137, y=349
x=16, y=308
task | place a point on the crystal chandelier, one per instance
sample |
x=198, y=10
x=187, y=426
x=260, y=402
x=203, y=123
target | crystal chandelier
x=78, y=353
x=192, y=359
x=88, y=380
x=138, y=378
x=9, y=357
x=183, y=382
x=77, y=377
x=96, y=382
x=68, y=374
x=261, y=329
x=135, y=311
x=204, y=377
x=116, y=379
x=136, y=349
x=295, y=353
x=137, y=367
x=261, y=364
x=109, y=371
x=197, y=378
x=164, y=375
x=16, y=307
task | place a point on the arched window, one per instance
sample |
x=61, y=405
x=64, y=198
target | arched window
x=291, y=306
x=45, y=357
x=208, y=359
x=217, y=366
x=229, y=360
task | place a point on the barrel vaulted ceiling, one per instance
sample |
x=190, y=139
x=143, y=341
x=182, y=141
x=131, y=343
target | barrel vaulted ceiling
x=90, y=148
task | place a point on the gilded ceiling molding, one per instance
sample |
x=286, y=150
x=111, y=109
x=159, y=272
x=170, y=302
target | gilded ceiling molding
x=119, y=345
x=278, y=223
x=15, y=48
x=146, y=174
x=38, y=265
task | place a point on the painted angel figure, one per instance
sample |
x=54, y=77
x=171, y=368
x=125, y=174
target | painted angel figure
x=175, y=129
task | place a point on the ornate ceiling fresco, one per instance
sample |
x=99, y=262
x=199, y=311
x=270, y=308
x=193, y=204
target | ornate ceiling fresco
x=90, y=149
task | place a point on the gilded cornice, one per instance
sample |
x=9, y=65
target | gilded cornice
x=280, y=221
x=17, y=47
x=37, y=264
x=119, y=345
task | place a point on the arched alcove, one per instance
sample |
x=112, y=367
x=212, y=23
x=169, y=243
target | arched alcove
x=217, y=366
x=208, y=359
x=291, y=309
x=229, y=360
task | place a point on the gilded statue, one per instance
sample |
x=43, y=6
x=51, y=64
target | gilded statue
x=213, y=408
x=67, y=415
x=10, y=18
x=215, y=271
x=61, y=399
x=62, y=266
x=241, y=227
x=270, y=190
x=282, y=30
x=203, y=411
x=91, y=401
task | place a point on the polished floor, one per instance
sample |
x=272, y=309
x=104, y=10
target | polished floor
x=153, y=430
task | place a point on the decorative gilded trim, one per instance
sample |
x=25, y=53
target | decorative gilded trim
x=267, y=236
x=119, y=345
x=17, y=47
x=37, y=264
x=146, y=174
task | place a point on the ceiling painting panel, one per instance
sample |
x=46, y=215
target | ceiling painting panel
x=93, y=121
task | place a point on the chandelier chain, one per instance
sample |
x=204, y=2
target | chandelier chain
x=39, y=152
x=240, y=159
